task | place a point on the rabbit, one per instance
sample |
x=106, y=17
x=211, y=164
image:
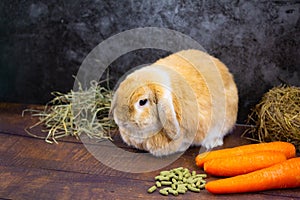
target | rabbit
x=188, y=98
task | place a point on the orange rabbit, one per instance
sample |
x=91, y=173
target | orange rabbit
x=187, y=98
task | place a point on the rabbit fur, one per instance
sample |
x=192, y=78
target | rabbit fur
x=187, y=98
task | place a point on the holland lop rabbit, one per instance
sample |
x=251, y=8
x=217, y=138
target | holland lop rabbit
x=187, y=98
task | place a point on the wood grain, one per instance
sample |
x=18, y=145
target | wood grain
x=33, y=169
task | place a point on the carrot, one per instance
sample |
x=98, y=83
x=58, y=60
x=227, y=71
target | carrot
x=282, y=175
x=287, y=148
x=237, y=165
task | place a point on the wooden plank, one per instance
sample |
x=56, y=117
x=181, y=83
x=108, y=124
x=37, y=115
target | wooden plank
x=25, y=183
x=68, y=156
x=73, y=157
x=12, y=121
x=33, y=153
x=33, y=169
x=76, y=160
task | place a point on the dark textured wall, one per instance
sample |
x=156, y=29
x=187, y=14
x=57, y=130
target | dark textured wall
x=42, y=43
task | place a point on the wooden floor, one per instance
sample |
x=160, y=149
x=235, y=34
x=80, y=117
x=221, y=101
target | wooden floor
x=33, y=169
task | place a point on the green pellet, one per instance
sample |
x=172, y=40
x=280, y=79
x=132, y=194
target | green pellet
x=187, y=175
x=182, y=187
x=174, y=192
x=164, y=173
x=193, y=189
x=173, y=186
x=181, y=191
x=202, y=186
x=180, y=176
x=195, y=180
x=152, y=189
x=174, y=180
x=162, y=178
x=173, y=176
x=164, y=192
x=185, y=171
x=198, y=183
x=166, y=183
x=179, y=168
x=167, y=188
x=190, y=180
x=158, y=184
x=193, y=173
x=201, y=175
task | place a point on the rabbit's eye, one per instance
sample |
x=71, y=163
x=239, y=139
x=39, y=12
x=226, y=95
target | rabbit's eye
x=143, y=102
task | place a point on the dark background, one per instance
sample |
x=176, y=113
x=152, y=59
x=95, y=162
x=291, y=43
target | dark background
x=43, y=43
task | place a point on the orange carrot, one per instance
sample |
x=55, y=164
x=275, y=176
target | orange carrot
x=287, y=148
x=282, y=175
x=237, y=165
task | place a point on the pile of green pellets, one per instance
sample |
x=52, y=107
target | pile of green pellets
x=178, y=181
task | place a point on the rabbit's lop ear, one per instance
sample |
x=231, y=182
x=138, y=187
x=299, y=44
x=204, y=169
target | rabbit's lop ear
x=167, y=115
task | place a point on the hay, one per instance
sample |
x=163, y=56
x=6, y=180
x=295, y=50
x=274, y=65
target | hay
x=76, y=113
x=277, y=116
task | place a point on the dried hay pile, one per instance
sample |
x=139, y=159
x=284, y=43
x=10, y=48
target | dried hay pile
x=75, y=113
x=277, y=116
